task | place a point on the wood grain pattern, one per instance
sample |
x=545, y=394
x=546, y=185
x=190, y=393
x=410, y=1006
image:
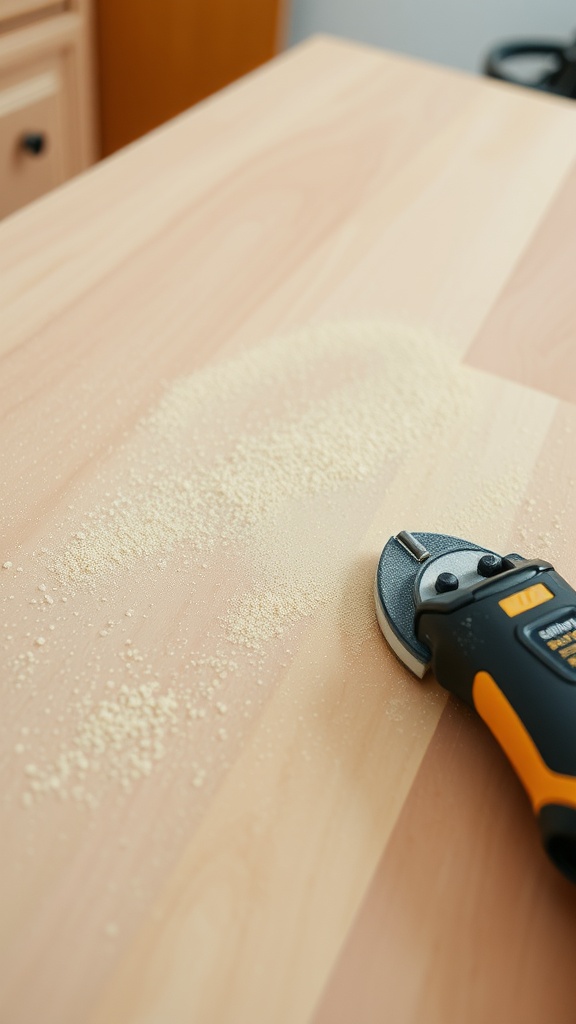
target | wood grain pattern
x=338, y=183
x=539, y=334
x=495, y=946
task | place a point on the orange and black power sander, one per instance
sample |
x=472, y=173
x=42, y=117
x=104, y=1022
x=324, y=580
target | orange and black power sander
x=499, y=632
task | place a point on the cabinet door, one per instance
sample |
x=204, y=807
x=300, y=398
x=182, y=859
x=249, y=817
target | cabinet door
x=32, y=158
x=157, y=59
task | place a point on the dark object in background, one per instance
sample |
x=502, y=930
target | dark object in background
x=537, y=64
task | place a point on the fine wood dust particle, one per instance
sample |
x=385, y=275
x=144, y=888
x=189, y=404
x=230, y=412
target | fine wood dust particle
x=260, y=616
x=356, y=612
x=334, y=404
x=121, y=736
x=495, y=498
x=263, y=453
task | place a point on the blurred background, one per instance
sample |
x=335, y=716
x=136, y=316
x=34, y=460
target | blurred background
x=80, y=79
x=457, y=33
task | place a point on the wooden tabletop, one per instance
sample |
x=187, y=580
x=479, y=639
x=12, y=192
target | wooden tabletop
x=332, y=302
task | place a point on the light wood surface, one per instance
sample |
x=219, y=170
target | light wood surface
x=540, y=336
x=360, y=851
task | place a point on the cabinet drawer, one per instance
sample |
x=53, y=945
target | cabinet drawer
x=31, y=134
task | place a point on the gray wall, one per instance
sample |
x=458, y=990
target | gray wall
x=453, y=32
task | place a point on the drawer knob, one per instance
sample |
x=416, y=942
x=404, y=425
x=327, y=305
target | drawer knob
x=34, y=143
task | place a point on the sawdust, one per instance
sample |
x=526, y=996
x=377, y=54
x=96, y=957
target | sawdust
x=194, y=475
x=121, y=737
x=126, y=733
x=261, y=615
x=270, y=459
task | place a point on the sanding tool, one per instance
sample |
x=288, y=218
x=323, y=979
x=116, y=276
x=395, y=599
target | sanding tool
x=499, y=631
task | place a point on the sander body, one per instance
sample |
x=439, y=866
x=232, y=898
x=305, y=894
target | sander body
x=499, y=632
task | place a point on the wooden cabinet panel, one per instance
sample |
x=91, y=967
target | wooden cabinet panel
x=32, y=159
x=45, y=89
x=158, y=57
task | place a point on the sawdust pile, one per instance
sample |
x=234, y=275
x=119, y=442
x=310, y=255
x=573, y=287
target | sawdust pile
x=271, y=459
x=228, y=448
